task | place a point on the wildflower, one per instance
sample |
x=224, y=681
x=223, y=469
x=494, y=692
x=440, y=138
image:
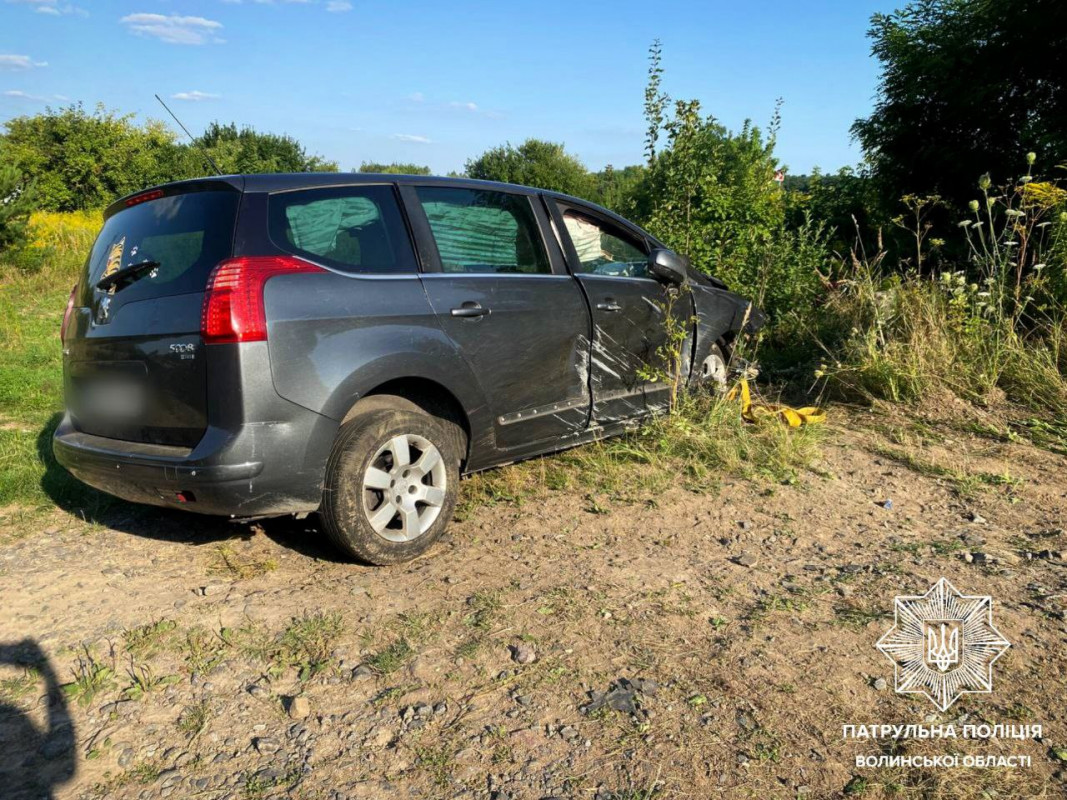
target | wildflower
x=973, y=205
x=1013, y=212
x=1038, y=267
x=983, y=294
x=963, y=223
x=1031, y=158
x=1063, y=216
x=1025, y=179
x=985, y=182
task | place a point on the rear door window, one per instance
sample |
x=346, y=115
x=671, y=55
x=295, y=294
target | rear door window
x=186, y=234
x=350, y=228
x=479, y=231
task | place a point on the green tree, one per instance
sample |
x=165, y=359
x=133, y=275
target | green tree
x=246, y=151
x=620, y=189
x=967, y=87
x=710, y=194
x=545, y=165
x=77, y=159
x=393, y=168
x=16, y=202
x=846, y=201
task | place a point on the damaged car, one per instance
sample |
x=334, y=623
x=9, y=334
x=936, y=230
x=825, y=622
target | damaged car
x=350, y=345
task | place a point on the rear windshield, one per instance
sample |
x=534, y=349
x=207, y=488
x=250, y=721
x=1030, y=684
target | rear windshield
x=187, y=234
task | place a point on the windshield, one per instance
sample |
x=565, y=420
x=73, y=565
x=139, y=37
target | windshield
x=186, y=234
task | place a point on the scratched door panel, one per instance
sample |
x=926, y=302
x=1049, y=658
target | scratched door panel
x=528, y=351
x=628, y=334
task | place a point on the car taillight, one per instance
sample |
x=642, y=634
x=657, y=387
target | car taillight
x=233, y=308
x=66, y=315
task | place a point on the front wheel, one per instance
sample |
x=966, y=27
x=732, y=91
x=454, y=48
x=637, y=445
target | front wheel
x=391, y=485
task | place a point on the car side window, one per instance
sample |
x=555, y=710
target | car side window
x=351, y=228
x=479, y=231
x=604, y=249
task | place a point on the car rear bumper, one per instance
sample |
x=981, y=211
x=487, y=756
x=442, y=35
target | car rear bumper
x=261, y=469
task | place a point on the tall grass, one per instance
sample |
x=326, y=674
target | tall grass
x=993, y=328
x=34, y=285
x=692, y=448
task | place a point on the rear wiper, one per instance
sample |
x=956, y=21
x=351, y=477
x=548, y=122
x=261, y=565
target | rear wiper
x=127, y=274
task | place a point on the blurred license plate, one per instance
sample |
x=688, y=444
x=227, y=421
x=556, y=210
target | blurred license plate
x=113, y=399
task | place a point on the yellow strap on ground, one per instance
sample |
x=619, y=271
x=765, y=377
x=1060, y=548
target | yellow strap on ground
x=793, y=417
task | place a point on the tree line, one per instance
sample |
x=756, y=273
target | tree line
x=968, y=89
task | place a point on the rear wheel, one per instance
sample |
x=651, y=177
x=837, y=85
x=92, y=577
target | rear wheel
x=391, y=484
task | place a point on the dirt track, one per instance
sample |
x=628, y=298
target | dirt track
x=743, y=619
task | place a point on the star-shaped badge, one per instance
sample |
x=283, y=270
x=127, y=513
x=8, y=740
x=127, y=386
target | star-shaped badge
x=943, y=644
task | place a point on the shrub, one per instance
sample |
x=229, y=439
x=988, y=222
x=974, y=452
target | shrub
x=16, y=202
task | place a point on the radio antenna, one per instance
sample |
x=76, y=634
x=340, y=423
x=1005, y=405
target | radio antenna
x=192, y=139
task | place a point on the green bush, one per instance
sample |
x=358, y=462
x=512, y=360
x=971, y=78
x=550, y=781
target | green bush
x=17, y=198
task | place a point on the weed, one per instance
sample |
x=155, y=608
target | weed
x=231, y=563
x=257, y=786
x=14, y=689
x=391, y=658
x=194, y=719
x=90, y=679
x=147, y=640
x=308, y=641
x=203, y=650
x=851, y=615
x=144, y=681
x=145, y=772
x=483, y=607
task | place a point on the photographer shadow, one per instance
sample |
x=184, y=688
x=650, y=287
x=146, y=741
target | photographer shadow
x=34, y=760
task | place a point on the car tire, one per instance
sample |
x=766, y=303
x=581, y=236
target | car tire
x=401, y=460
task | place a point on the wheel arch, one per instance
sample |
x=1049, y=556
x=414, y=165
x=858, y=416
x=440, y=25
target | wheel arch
x=423, y=394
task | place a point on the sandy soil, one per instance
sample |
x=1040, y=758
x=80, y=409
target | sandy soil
x=739, y=626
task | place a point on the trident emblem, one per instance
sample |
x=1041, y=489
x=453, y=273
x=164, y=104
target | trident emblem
x=942, y=644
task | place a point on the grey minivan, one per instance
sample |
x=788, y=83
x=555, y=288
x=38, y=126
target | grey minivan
x=349, y=344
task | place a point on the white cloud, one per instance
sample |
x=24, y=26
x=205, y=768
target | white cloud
x=18, y=94
x=474, y=108
x=174, y=29
x=52, y=7
x=416, y=97
x=338, y=6
x=410, y=137
x=11, y=61
x=195, y=96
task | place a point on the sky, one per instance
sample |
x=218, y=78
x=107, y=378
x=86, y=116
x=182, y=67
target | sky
x=437, y=83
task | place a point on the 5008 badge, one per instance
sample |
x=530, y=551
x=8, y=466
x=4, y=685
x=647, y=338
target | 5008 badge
x=184, y=351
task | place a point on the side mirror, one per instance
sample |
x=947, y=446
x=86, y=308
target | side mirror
x=667, y=265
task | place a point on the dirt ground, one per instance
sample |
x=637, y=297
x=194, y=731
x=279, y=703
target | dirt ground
x=738, y=627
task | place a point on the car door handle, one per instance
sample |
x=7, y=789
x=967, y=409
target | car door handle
x=608, y=305
x=470, y=309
